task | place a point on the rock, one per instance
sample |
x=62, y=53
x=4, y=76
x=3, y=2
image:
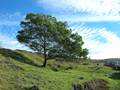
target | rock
x=81, y=78
x=92, y=85
x=55, y=68
x=68, y=68
x=77, y=87
x=34, y=88
x=58, y=66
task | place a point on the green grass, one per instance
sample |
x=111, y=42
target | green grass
x=20, y=70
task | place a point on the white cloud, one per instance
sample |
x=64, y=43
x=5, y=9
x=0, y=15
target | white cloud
x=9, y=25
x=85, y=10
x=110, y=48
x=96, y=7
x=91, y=18
x=11, y=43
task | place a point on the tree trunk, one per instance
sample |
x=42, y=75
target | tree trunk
x=45, y=60
x=45, y=55
x=44, y=47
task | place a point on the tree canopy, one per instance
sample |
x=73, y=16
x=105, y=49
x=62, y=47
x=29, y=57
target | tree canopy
x=50, y=37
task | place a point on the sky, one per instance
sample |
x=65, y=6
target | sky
x=97, y=21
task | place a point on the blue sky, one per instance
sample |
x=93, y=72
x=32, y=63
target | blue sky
x=97, y=21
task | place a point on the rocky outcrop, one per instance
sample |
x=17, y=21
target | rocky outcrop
x=92, y=85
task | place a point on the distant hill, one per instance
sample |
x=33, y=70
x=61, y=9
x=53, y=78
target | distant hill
x=105, y=60
x=112, y=59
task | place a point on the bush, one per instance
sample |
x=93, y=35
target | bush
x=86, y=63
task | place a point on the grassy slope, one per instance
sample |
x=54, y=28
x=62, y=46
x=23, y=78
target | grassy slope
x=20, y=70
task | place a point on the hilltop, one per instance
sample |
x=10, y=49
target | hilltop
x=20, y=70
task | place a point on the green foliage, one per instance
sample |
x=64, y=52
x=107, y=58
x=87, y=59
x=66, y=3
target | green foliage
x=70, y=47
x=41, y=33
x=85, y=52
x=50, y=37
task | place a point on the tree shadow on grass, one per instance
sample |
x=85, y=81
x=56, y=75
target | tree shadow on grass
x=115, y=76
x=17, y=56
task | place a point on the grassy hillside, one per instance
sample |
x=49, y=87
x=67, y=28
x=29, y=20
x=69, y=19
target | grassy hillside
x=20, y=70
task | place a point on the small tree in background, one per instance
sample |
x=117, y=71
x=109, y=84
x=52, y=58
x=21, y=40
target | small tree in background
x=85, y=52
x=52, y=38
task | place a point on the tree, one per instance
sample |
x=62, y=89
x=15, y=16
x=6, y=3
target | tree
x=50, y=37
x=70, y=48
x=42, y=33
x=73, y=47
x=85, y=52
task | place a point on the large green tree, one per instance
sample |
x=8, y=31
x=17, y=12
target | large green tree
x=50, y=37
x=41, y=33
